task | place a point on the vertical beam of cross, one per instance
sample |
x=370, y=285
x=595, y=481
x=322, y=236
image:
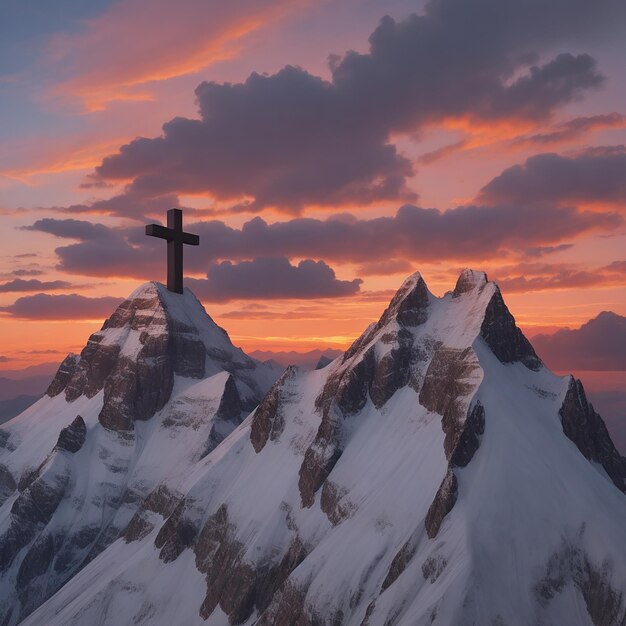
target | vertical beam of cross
x=175, y=237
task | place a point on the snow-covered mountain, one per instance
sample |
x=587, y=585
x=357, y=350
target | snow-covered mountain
x=436, y=473
x=119, y=430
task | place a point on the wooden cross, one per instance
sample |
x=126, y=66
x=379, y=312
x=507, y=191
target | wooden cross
x=175, y=238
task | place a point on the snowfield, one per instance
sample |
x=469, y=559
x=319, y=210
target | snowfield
x=436, y=473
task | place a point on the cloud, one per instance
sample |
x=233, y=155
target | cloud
x=543, y=277
x=26, y=272
x=4, y=359
x=466, y=233
x=599, y=344
x=270, y=278
x=553, y=178
x=43, y=306
x=385, y=267
x=291, y=139
x=107, y=59
x=573, y=129
x=70, y=229
x=33, y=285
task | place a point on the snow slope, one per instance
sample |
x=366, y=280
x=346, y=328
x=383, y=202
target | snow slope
x=436, y=473
x=117, y=432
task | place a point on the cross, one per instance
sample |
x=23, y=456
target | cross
x=175, y=238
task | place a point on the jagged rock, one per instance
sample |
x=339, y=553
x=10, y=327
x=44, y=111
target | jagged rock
x=64, y=374
x=290, y=609
x=400, y=562
x=442, y=504
x=587, y=430
x=268, y=421
x=469, y=438
x=469, y=280
x=177, y=534
x=35, y=563
x=410, y=304
x=433, y=567
x=450, y=379
x=334, y=503
x=162, y=501
x=606, y=606
x=7, y=484
x=503, y=336
x=72, y=437
x=32, y=509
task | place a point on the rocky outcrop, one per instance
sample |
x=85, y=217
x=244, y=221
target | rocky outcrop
x=451, y=378
x=268, y=421
x=400, y=562
x=30, y=512
x=72, y=437
x=442, y=504
x=468, y=281
x=7, y=484
x=587, y=430
x=64, y=374
x=361, y=376
x=162, y=501
x=335, y=504
x=177, y=534
x=503, y=336
x=606, y=605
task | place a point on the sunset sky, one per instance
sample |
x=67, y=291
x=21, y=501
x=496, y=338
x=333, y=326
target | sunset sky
x=322, y=151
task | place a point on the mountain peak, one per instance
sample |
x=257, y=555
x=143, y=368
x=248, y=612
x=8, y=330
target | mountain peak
x=469, y=280
x=153, y=336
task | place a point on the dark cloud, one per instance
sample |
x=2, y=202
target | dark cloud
x=467, y=233
x=554, y=178
x=26, y=272
x=599, y=344
x=543, y=277
x=270, y=278
x=70, y=229
x=43, y=306
x=4, y=359
x=33, y=284
x=131, y=203
x=573, y=129
x=385, y=267
x=291, y=139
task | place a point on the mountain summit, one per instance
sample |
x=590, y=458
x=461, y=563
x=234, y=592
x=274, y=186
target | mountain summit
x=435, y=473
x=152, y=393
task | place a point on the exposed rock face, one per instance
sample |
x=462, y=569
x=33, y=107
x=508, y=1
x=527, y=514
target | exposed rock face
x=442, y=504
x=469, y=280
x=400, y=562
x=504, y=338
x=72, y=437
x=450, y=379
x=137, y=381
x=177, y=534
x=606, y=605
x=268, y=421
x=587, y=430
x=7, y=483
x=32, y=510
x=361, y=376
x=162, y=501
x=64, y=374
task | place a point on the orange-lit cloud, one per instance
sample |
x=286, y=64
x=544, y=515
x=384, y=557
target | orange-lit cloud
x=140, y=41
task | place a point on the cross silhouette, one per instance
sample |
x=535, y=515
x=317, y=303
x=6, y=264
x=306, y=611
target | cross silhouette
x=175, y=238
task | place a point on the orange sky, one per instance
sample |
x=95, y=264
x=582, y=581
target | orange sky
x=96, y=79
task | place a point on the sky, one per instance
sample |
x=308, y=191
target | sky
x=322, y=150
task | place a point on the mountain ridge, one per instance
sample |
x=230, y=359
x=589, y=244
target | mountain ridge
x=401, y=484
